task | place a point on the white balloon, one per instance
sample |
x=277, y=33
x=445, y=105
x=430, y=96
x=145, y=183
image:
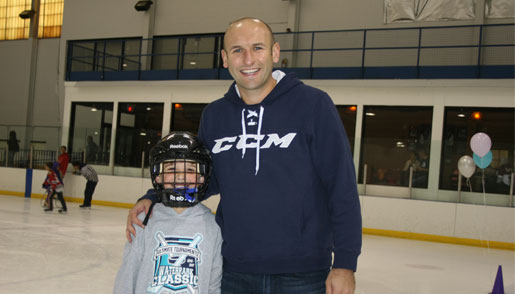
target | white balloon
x=466, y=166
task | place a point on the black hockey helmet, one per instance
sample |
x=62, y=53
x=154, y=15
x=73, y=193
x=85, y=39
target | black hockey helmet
x=180, y=167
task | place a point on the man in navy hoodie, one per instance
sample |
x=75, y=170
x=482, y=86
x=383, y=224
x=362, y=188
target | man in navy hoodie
x=285, y=175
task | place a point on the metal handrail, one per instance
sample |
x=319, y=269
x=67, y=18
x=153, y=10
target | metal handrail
x=180, y=53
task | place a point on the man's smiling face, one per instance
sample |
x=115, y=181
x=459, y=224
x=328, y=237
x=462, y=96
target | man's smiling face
x=249, y=54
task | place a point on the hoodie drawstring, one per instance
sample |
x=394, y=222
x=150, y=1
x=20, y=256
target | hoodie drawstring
x=261, y=110
x=244, y=130
x=258, y=139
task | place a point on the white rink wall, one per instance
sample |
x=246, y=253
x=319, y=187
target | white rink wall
x=447, y=219
x=388, y=214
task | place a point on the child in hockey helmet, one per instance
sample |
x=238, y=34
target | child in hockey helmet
x=180, y=167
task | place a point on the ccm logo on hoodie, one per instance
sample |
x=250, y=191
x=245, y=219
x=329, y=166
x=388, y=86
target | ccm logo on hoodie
x=253, y=141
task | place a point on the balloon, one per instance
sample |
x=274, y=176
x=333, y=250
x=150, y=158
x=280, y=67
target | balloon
x=480, y=144
x=466, y=166
x=484, y=161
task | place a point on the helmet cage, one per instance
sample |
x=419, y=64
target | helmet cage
x=180, y=176
x=182, y=182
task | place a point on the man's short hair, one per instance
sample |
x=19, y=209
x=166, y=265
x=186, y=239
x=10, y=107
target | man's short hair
x=250, y=18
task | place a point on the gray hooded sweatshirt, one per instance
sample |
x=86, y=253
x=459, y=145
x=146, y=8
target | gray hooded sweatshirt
x=174, y=254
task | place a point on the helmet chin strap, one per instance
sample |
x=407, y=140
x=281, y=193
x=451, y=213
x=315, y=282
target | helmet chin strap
x=145, y=221
x=179, y=197
x=159, y=198
x=189, y=193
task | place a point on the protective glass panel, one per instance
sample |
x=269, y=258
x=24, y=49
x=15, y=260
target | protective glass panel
x=461, y=123
x=348, y=116
x=138, y=129
x=186, y=116
x=396, y=138
x=90, y=132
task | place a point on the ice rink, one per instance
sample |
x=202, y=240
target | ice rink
x=80, y=252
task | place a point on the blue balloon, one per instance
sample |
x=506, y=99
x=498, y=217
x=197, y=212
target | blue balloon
x=483, y=162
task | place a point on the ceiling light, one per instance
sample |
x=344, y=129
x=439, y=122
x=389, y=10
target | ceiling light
x=370, y=114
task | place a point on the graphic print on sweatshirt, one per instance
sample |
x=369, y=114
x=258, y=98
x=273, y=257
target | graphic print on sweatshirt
x=251, y=137
x=176, y=261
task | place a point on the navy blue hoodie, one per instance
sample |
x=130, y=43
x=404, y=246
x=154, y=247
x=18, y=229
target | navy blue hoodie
x=287, y=205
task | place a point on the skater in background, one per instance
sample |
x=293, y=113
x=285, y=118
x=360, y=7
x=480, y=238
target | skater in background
x=92, y=179
x=54, y=186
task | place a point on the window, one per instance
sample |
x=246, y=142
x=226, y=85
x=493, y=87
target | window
x=139, y=129
x=12, y=27
x=348, y=116
x=90, y=131
x=165, y=53
x=199, y=52
x=81, y=56
x=50, y=18
x=121, y=55
x=461, y=123
x=186, y=116
x=391, y=133
x=104, y=55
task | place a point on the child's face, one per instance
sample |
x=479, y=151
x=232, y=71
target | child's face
x=180, y=174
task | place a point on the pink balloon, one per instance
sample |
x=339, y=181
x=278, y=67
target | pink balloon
x=480, y=144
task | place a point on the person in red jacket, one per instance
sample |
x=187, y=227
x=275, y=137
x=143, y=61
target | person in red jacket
x=54, y=185
x=63, y=160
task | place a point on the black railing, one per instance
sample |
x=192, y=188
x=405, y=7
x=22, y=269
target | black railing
x=474, y=51
x=25, y=158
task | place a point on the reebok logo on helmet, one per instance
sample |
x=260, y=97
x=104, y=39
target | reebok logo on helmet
x=178, y=146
